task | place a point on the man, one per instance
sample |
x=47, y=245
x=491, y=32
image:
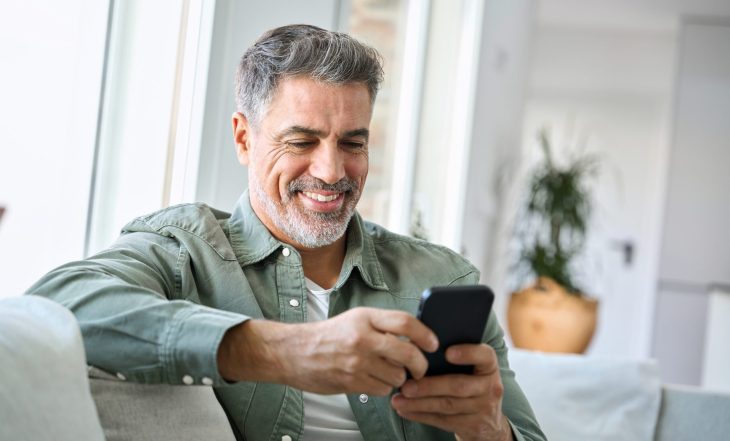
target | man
x=294, y=308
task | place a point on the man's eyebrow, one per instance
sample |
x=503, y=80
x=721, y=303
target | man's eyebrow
x=365, y=133
x=301, y=130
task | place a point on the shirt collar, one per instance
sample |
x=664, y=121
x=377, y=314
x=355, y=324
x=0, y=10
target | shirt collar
x=252, y=242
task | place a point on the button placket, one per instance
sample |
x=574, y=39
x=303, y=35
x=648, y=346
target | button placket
x=289, y=287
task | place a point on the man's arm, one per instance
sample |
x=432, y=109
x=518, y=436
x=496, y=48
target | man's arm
x=356, y=351
x=134, y=320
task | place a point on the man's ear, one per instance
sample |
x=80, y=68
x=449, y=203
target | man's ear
x=242, y=137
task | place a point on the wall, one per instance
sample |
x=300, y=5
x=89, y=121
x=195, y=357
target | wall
x=504, y=62
x=609, y=92
x=695, y=253
x=50, y=85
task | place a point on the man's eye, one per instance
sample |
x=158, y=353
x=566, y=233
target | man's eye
x=300, y=144
x=354, y=144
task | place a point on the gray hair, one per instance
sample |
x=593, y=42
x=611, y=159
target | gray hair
x=294, y=50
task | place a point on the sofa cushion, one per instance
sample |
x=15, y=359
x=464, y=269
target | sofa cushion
x=44, y=394
x=157, y=412
x=692, y=413
x=598, y=398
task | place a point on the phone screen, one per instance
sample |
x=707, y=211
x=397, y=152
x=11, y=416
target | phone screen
x=456, y=314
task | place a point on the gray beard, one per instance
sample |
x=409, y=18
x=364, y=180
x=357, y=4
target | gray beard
x=309, y=229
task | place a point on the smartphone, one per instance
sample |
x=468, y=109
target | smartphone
x=456, y=314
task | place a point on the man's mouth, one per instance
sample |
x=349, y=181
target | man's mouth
x=322, y=197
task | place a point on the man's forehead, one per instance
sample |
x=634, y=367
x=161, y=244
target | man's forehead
x=306, y=106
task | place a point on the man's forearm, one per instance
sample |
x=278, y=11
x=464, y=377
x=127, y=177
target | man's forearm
x=249, y=351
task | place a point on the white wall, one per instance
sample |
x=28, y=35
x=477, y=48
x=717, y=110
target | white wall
x=504, y=63
x=695, y=253
x=610, y=92
x=50, y=82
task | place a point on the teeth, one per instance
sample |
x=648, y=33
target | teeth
x=321, y=197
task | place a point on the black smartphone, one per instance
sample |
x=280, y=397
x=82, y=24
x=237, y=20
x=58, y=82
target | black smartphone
x=456, y=314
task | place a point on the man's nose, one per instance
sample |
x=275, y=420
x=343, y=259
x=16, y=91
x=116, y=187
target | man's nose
x=328, y=163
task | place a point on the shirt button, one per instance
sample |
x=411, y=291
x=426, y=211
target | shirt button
x=363, y=398
x=187, y=379
x=121, y=376
x=294, y=302
x=286, y=438
x=286, y=253
x=206, y=381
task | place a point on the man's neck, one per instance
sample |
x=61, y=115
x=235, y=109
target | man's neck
x=322, y=265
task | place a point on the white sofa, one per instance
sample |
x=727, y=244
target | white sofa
x=609, y=398
x=45, y=395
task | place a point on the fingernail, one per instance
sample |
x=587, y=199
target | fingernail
x=434, y=343
x=453, y=354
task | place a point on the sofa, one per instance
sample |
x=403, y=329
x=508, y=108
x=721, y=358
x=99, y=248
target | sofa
x=48, y=393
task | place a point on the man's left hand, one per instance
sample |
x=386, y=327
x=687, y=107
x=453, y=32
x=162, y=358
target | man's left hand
x=470, y=406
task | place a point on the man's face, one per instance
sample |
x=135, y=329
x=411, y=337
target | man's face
x=307, y=159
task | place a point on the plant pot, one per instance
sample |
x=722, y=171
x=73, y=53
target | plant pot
x=545, y=317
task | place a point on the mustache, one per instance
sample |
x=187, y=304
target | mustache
x=307, y=183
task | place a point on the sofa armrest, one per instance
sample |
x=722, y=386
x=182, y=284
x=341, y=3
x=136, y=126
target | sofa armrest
x=157, y=412
x=692, y=413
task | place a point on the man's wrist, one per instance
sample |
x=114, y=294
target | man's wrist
x=248, y=352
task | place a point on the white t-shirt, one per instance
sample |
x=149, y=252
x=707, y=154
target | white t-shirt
x=326, y=417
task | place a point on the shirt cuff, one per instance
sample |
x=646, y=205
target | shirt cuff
x=190, y=353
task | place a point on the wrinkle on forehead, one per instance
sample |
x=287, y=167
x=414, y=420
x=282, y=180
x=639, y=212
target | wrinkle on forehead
x=298, y=95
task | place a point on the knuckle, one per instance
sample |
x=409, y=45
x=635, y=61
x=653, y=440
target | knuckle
x=382, y=390
x=354, y=340
x=352, y=364
x=401, y=321
x=449, y=404
x=498, y=389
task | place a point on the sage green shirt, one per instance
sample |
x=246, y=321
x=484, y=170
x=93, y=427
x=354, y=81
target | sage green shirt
x=155, y=306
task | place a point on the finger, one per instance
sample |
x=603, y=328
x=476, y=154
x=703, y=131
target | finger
x=392, y=374
x=440, y=405
x=448, y=423
x=403, y=324
x=401, y=353
x=455, y=385
x=481, y=356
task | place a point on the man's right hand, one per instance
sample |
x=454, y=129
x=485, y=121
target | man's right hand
x=360, y=350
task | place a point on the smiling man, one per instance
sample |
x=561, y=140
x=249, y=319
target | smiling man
x=298, y=312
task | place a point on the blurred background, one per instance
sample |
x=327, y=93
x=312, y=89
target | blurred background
x=110, y=109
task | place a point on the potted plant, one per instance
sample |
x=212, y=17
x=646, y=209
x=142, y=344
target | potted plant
x=553, y=314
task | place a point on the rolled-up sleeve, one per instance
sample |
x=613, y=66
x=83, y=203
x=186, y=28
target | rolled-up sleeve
x=134, y=314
